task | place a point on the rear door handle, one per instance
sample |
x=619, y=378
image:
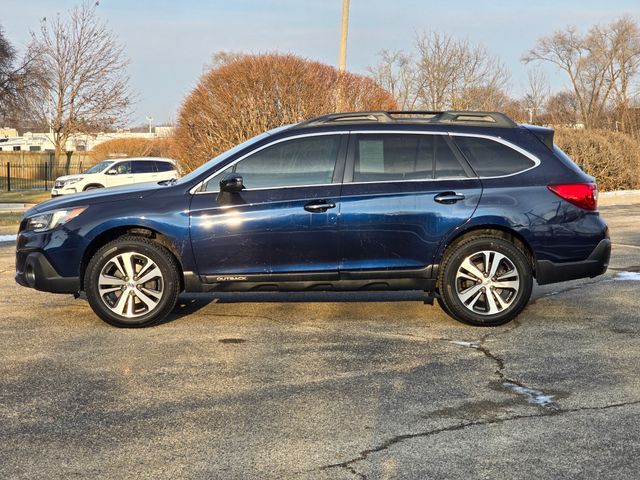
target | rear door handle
x=319, y=206
x=448, y=198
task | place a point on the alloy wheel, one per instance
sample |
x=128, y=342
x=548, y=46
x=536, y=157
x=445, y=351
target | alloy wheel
x=130, y=284
x=487, y=282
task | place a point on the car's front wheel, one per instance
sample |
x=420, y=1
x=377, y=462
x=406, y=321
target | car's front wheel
x=132, y=282
x=485, y=281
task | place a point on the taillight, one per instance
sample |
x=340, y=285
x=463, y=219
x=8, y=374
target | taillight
x=584, y=195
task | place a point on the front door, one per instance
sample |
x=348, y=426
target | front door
x=285, y=221
x=122, y=175
x=402, y=194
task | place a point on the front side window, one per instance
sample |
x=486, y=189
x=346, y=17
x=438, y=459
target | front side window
x=296, y=162
x=397, y=157
x=490, y=158
x=122, y=168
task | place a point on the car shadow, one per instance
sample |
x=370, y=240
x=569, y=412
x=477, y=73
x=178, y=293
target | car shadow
x=190, y=303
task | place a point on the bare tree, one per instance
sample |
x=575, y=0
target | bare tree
x=537, y=93
x=597, y=63
x=396, y=72
x=562, y=108
x=18, y=77
x=446, y=73
x=85, y=86
x=625, y=36
x=454, y=74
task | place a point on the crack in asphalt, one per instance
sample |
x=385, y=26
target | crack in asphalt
x=532, y=395
x=363, y=455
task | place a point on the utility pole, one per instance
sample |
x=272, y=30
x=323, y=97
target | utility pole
x=343, y=37
x=150, y=120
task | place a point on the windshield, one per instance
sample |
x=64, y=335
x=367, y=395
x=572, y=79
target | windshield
x=99, y=167
x=224, y=155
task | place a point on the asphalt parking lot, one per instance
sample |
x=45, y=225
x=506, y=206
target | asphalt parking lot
x=328, y=386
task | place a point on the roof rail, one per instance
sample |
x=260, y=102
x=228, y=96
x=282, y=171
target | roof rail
x=484, y=119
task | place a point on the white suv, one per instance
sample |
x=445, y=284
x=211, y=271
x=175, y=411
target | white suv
x=112, y=173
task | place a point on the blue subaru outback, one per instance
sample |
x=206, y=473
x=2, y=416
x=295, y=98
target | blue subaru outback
x=468, y=207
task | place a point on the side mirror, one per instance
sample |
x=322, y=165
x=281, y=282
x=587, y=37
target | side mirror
x=113, y=171
x=231, y=183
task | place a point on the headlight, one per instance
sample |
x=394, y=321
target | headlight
x=49, y=220
x=71, y=181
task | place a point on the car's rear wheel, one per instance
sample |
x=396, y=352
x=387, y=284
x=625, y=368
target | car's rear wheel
x=485, y=281
x=132, y=282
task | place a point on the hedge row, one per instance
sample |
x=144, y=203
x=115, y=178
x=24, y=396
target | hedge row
x=612, y=158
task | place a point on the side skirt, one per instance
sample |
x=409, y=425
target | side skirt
x=299, y=282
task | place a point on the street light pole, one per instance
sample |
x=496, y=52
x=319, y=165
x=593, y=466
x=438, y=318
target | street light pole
x=343, y=37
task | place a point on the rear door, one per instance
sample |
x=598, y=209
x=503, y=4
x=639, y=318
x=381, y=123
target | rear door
x=143, y=171
x=402, y=193
x=284, y=222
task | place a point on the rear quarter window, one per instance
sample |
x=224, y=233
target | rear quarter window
x=490, y=158
x=164, y=166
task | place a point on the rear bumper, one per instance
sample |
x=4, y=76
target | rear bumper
x=35, y=271
x=596, y=264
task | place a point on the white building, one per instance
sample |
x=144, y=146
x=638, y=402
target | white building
x=36, y=142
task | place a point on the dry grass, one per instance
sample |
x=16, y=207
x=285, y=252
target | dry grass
x=10, y=219
x=612, y=158
x=25, y=196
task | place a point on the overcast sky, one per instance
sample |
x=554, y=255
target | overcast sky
x=169, y=42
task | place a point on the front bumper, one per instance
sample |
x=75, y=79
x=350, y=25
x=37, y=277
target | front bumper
x=596, y=264
x=56, y=192
x=35, y=271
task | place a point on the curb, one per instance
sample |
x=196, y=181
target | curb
x=619, y=197
x=15, y=207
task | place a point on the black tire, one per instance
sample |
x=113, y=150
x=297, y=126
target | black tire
x=443, y=306
x=92, y=187
x=140, y=247
x=479, y=315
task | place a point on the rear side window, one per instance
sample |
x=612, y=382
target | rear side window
x=447, y=165
x=490, y=158
x=389, y=157
x=164, y=166
x=142, y=166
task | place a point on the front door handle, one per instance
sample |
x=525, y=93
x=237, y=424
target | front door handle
x=319, y=206
x=448, y=198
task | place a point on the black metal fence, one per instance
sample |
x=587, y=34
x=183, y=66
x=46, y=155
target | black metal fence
x=24, y=175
